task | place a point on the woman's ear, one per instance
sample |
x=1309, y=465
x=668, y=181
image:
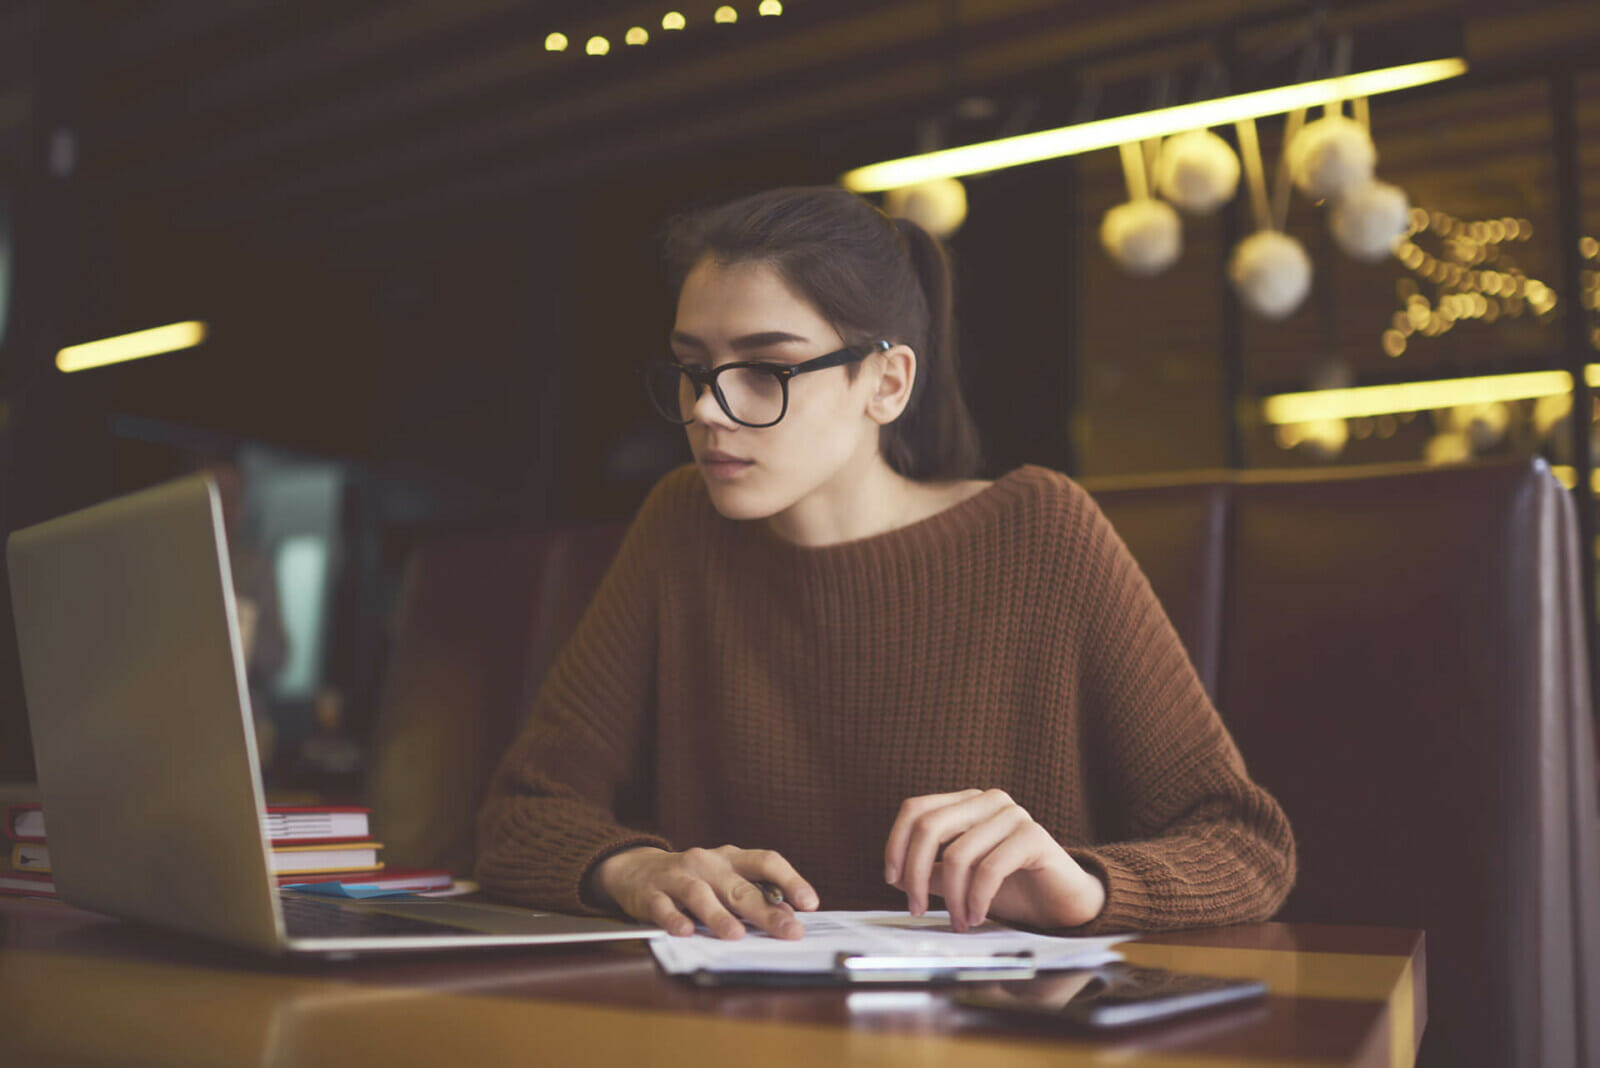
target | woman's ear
x=897, y=372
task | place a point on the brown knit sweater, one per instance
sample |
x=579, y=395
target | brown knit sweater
x=729, y=687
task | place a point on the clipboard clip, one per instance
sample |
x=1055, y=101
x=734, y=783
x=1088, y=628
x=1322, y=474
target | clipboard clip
x=865, y=968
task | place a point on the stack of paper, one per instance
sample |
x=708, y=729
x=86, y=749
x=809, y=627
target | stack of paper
x=877, y=934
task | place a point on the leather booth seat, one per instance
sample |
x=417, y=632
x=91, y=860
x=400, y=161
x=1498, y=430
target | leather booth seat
x=1398, y=651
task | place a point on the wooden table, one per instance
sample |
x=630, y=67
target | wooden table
x=76, y=988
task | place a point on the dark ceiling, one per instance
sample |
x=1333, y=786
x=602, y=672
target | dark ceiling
x=291, y=122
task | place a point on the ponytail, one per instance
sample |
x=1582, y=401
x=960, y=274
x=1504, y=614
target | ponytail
x=935, y=437
x=872, y=277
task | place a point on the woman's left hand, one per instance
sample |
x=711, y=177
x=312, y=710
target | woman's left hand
x=995, y=857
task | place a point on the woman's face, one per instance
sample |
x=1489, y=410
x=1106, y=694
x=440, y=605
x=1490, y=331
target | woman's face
x=745, y=311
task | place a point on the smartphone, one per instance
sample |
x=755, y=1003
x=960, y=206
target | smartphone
x=1117, y=995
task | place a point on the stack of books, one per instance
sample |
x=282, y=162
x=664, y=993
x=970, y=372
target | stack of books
x=26, y=871
x=310, y=844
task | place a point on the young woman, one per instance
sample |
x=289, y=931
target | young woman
x=828, y=658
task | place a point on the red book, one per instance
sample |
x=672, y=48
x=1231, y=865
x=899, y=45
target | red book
x=285, y=824
x=25, y=823
x=27, y=884
x=286, y=859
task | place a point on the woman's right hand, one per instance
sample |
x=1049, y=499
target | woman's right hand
x=714, y=886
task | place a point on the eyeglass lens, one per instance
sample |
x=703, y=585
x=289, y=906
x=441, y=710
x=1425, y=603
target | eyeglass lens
x=754, y=396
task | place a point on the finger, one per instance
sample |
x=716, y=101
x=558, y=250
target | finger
x=704, y=903
x=747, y=900
x=894, y=849
x=1021, y=849
x=933, y=829
x=929, y=831
x=963, y=854
x=770, y=866
x=662, y=911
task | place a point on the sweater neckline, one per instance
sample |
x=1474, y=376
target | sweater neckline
x=941, y=526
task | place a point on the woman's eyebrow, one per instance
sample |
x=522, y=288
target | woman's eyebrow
x=762, y=340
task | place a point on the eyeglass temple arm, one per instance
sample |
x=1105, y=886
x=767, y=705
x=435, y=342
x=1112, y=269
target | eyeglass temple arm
x=844, y=355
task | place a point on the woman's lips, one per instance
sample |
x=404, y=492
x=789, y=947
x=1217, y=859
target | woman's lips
x=725, y=468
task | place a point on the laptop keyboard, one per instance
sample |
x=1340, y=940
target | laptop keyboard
x=305, y=917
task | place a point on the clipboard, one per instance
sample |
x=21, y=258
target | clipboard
x=865, y=969
x=882, y=948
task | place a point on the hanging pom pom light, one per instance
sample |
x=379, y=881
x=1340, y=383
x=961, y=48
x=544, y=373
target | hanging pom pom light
x=1271, y=273
x=1197, y=171
x=939, y=206
x=1269, y=269
x=1144, y=235
x=1367, y=221
x=1331, y=156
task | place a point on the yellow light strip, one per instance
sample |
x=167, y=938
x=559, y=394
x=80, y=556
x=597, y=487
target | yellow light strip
x=134, y=346
x=1568, y=477
x=1416, y=396
x=1106, y=133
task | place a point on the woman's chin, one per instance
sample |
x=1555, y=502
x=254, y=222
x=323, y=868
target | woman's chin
x=736, y=502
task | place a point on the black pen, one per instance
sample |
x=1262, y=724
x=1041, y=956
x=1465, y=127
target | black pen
x=771, y=891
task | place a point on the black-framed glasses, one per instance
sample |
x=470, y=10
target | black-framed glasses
x=751, y=393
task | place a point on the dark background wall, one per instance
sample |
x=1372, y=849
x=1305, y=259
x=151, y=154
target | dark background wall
x=425, y=246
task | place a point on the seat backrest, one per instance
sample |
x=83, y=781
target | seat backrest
x=1404, y=670
x=478, y=622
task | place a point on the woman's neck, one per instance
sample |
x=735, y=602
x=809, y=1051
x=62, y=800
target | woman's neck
x=862, y=500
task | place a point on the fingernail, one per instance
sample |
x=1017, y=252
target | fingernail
x=790, y=929
x=807, y=899
x=891, y=874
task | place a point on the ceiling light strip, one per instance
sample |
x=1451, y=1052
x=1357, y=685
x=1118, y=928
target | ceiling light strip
x=1362, y=401
x=134, y=346
x=1107, y=133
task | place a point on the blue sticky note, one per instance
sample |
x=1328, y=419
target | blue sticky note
x=356, y=890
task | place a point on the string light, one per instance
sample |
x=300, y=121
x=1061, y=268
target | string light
x=1466, y=287
x=671, y=21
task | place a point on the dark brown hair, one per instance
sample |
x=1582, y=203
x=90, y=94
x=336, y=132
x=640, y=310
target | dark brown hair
x=871, y=277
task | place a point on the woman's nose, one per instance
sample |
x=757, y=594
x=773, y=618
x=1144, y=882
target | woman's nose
x=708, y=412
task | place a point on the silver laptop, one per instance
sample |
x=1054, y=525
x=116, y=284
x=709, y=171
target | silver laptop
x=135, y=683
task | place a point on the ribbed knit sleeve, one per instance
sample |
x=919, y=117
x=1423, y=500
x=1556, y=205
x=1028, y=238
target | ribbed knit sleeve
x=1201, y=843
x=549, y=811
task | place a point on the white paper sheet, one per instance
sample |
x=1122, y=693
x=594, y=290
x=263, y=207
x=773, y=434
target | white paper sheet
x=875, y=934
